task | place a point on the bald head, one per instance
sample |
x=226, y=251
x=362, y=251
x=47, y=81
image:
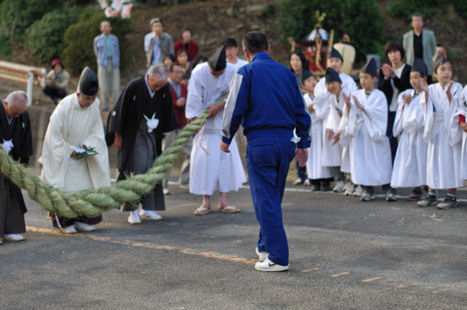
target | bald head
x=16, y=103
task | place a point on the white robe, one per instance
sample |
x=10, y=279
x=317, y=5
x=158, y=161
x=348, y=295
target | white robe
x=409, y=168
x=70, y=126
x=314, y=168
x=370, y=153
x=444, y=136
x=211, y=169
x=347, y=83
x=463, y=111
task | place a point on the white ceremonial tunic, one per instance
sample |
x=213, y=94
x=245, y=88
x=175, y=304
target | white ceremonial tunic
x=347, y=83
x=444, y=136
x=409, y=168
x=370, y=153
x=70, y=126
x=211, y=169
x=463, y=111
x=314, y=168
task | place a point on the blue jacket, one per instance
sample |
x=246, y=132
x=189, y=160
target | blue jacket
x=265, y=98
x=100, y=52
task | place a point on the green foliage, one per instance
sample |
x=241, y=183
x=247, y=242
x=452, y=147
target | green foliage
x=79, y=40
x=405, y=8
x=17, y=15
x=5, y=48
x=427, y=8
x=45, y=37
x=360, y=19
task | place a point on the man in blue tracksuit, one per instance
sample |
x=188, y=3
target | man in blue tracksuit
x=265, y=99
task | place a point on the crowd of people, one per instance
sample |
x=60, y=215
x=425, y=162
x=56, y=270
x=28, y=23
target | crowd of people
x=396, y=131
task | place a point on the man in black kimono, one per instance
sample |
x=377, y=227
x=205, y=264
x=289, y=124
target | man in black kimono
x=142, y=115
x=15, y=137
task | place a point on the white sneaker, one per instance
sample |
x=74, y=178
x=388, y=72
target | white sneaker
x=149, y=215
x=267, y=265
x=134, y=217
x=80, y=226
x=13, y=237
x=70, y=229
x=339, y=187
x=262, y=255
x=349, y=189
x=358, y=191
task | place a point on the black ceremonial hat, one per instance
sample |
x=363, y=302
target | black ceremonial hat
x=218, y=61
x=88, y=84
x=419, y=66
x=332, y=76
x=306, y=74
x=335, y=54
x=370, y=68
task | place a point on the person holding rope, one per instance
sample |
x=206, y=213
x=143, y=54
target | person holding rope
x=16, y=140
x=74, y=154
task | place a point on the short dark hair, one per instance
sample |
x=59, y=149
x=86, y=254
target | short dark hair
x=394, y=46
x=255, y=42
x=173, y=65
x=416, y=14
x=230, y=42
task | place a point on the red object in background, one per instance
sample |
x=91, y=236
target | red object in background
x=461, y=119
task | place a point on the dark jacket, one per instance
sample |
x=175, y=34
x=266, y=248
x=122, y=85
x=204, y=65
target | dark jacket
x=401, y=84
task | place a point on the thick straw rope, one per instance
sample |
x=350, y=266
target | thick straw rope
x=91, y=203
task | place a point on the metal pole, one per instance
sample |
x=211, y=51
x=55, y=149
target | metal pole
x=30, y=87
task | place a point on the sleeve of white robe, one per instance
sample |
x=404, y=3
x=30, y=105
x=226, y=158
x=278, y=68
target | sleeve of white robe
x=321, y=106
x=428, y=115
x=397, y=127
x=56, y=152
x=376, y=116
x=194, y=102
x=98, y=164
x=456, y=108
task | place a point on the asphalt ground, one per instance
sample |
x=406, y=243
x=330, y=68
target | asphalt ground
x=344, y=254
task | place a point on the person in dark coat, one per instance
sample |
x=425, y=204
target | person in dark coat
x=143, y=113
x=392, y=80
x=15, y=136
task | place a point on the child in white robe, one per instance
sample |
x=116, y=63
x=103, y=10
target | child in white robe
x=444, y=136
x=336, y=62
x=307, y=85
x=409, y=168
x=370, y=154
x=319, y=176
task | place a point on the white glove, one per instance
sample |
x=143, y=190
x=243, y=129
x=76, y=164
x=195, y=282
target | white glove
x=7, y=145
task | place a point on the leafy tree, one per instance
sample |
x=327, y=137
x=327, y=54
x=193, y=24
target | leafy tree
x=45, y=37
x=17, y=15
x=79, y=40
x=360, y=19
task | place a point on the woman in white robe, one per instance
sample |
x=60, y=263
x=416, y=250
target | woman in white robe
x=409, y=168
x=212, y=170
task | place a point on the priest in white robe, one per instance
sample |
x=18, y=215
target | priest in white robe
x=74, y=154
x=212, y=170
x=409, y=168
x=444, y=136
x=370, y=153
